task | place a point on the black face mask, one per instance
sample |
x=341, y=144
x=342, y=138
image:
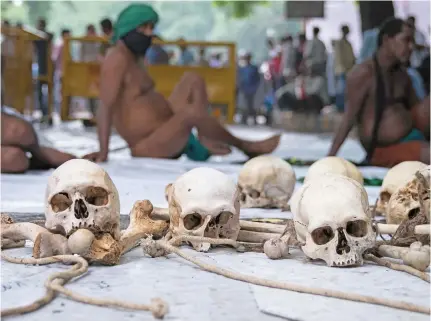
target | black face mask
x=137, y=42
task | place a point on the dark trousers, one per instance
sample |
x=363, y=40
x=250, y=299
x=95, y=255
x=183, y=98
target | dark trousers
x=249, y=104
x=43, y=101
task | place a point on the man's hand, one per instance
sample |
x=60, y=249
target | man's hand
x=97, y=157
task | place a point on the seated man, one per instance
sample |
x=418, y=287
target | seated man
x=392, y=122
x=19, y=137
x=152, y=125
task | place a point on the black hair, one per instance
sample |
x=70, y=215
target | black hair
x=106, y=24
x=345, y=28
x=316, y=31
x=390, y=27
x=91, y=27
x=64, y=31
x=302, y=37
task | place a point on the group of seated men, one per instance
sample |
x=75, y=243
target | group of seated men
x=393, y=124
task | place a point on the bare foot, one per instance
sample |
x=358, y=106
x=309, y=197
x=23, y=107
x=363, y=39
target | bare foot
x=267, y=146
x=215, y=147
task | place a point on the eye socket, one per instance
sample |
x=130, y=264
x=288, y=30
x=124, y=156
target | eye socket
x=254, y=194
x=223, y=218
x=414, y=212
x=322, y=235
x=357, y=228
x=97, y=196
x=60, y=202
x=192, y=221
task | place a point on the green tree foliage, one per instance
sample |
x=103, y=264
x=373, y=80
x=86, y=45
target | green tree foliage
x=239, y=9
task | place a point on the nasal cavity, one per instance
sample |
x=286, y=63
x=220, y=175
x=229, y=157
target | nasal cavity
x=342, y=246
x=80, y=209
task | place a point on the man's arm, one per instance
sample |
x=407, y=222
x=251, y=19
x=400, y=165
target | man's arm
x=111, y=79
x=357, y=87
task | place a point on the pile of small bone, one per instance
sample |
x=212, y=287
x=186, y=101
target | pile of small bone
x=332, y=219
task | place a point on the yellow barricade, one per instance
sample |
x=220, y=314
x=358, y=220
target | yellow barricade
x=17, y=55
x=81, y=79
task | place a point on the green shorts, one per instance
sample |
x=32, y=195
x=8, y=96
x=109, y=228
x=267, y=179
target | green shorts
x=195, y=150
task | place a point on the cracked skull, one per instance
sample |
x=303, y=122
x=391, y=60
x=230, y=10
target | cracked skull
x=204, y=202
x=397, y=177
x=334, y=165
x=332, y=217
x=266, y=181
x=80, y=194
x=404, y=203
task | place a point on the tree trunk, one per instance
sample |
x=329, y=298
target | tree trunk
x=373, y=13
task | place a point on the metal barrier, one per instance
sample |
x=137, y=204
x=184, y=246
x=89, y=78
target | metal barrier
x=17, y=56
x=81, y=79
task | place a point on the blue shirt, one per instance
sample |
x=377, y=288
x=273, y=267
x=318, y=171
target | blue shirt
x=186, y=58
x=157, y=55
x=248, y=79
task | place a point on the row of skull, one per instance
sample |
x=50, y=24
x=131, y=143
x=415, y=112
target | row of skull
x=331, y=211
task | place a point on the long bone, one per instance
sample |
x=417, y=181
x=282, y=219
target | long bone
x=417, y=256
x=392, y=228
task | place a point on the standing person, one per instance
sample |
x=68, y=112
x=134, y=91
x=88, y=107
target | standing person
x=202, y=61
x=344, y=62
x=43, y=60
x=315, y=55
x=57, y=56
x=421, y=47
x=156, y=54
x=107, y=30
x=299, y=52
x=248, y=84
x=186, y=57
x=288, y=58
x=152, y=125
x=392, y=123
x=90, y=53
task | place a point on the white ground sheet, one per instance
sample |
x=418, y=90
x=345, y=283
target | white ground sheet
x=191, y=293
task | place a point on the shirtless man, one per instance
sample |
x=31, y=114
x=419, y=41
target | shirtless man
x=381, y=100
x=152, y=125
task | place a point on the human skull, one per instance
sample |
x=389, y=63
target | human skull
x=80, y=194
x=397, y=177
x=266, y=181
x=332, y=217
x=334, y=165
x=204, y=202
x=404, y=203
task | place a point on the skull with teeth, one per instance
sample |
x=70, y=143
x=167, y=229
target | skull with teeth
x=266, y=181
x=80, y=194
x=333, y=219
x=204, y=202
x=397, y=177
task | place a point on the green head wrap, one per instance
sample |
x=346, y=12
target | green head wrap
x=132, y=17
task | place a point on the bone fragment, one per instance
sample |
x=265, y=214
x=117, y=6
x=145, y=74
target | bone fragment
x=392, y=228
x=48, y=244
x=417, y=256
x=277, y=247
x=142, y=224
